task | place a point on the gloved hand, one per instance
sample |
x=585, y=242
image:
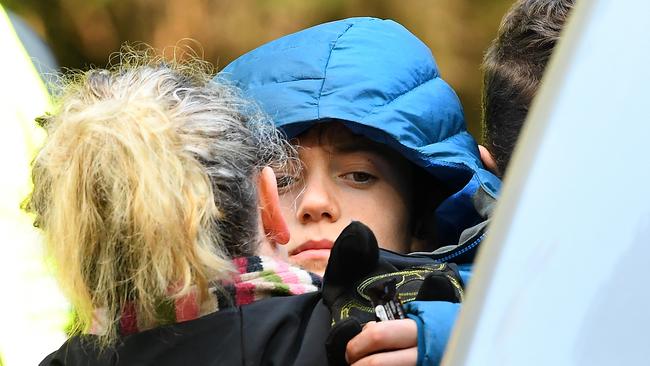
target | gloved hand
x=357, y=267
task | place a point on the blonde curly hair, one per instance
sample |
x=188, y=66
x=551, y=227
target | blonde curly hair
x=146, y=185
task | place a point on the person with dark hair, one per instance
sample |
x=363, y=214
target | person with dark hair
x=513, y=68
x=382, y=139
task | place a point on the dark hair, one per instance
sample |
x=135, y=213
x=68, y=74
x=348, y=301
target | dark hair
x=513, y=67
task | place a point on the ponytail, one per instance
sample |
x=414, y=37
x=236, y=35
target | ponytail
x=128, y=210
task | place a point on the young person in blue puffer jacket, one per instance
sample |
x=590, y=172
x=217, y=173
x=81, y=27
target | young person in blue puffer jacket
x=383, y=140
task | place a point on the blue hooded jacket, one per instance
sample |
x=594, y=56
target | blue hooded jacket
x=383, y=83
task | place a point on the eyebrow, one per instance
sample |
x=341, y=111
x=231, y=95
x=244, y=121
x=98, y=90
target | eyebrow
x=352, y=145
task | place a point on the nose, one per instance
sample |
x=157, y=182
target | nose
x=318, y=202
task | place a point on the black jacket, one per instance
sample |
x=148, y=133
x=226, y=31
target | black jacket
x=293, y=330
x=277, y=331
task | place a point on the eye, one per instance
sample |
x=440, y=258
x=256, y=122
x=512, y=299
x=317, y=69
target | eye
x=359, y=177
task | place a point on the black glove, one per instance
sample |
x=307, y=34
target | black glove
x=357, y=268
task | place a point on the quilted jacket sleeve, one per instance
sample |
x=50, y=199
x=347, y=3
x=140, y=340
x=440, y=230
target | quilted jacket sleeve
x=435, y=320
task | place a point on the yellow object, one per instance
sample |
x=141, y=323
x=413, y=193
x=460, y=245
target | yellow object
x=33, y=313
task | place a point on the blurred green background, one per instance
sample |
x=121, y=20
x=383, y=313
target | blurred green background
x=86, y=32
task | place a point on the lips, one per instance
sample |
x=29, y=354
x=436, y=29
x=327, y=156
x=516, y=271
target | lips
x=312, y=245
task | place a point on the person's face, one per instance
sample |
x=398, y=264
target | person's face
x=344, y=178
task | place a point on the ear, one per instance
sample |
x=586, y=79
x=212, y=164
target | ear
x=488, y=160
x=275, y=227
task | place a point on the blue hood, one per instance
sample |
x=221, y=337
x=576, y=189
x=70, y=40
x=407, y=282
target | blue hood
x=383, y=83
